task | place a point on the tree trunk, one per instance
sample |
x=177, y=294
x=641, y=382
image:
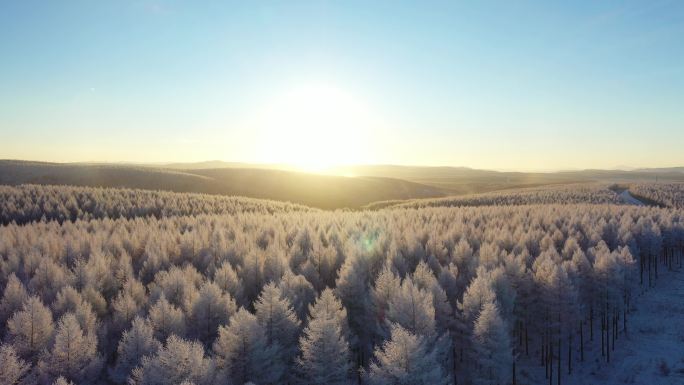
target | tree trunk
x=570, y=353
x=581, y=342
x=514, y=380
x=550, y=361
x=558, y=370
x=591, y=322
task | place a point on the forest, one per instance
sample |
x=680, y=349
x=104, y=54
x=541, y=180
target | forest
x=120, y=286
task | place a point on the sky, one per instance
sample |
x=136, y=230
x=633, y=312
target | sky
x=512, y=85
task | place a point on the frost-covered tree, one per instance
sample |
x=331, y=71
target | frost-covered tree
x=178, y=361
x=405, y=360
x=412, y=308
x=74, y=354
x=13, y=370
x=478, y=293
x=243, y=353
x=324, y=349
x=70, y=300
x=299, y=291
x=210, y=309
x=13, y=297
x=426, y=280
x=48, y=279
x=386, y=286
x=492, y=347
x=351, y=288
x=275, y=314
x=31, y=329
x=166, y=320
x=178, y=285
x=125, y=309
x=135, y=343
x=227, y=279
x=62, y=381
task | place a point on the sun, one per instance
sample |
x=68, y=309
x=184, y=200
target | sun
x=316, y=126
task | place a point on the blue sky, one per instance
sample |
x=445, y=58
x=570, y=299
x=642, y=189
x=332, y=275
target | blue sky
x=503, y=85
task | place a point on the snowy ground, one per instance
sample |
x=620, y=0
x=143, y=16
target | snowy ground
x=627, y=197
x=651, y=354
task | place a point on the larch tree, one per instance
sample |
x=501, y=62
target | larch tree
x=424, y=278
x=210, y=309
x=243, y=353
x=178, y=361
x=324, y=348
x=411, y=307
x=404, y=359
x=31, y=329
x=13, y=370
x=492, y=347
x=74, y=354
x=135, y=343
x=276, y=315
x=387, y=285
x=227, y=279
x=70, y=300
x=351, y=288
x=62, y=381
x=166, y=320
x=299, y=291
x=13, y=297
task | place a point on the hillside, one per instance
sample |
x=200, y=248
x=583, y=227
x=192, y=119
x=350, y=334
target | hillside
x=321, y=191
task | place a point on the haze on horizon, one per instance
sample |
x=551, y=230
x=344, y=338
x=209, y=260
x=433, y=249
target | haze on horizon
x=489, y=85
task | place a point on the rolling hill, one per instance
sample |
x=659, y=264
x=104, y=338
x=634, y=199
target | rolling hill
x=322, y=191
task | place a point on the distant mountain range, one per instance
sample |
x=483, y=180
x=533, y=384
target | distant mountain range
x=371, y=183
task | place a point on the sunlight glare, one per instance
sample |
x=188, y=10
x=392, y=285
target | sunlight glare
x=315, y=127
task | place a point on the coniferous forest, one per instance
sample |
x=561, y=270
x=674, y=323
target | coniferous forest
x=117, y=286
